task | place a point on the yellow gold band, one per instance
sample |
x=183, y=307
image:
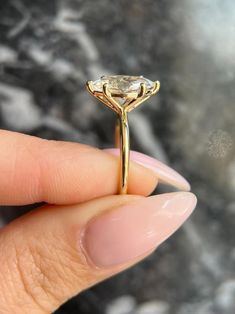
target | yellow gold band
x=122, y=141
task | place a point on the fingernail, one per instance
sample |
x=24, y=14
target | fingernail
x=164, y=173
x=126, y=233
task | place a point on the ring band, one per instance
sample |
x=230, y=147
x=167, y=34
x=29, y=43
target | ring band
x=122, y=141
x=122, y=94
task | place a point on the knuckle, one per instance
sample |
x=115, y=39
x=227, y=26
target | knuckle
x=38, y=275
x=15, y=291
x=40, y=272
x=48, y=271
x=24, y=271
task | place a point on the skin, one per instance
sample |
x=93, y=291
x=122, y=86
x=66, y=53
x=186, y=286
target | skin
x=42, y=263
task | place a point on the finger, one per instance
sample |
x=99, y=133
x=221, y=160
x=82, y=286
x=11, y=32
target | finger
x=34, y=170
x=51, y=255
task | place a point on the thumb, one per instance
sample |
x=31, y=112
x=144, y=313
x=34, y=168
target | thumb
x=55, y=252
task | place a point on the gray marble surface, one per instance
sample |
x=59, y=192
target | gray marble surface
x=48, y=49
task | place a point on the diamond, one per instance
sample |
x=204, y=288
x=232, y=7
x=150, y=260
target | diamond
x=122, y=85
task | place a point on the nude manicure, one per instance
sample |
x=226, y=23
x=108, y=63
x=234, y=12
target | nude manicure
x=124, y=234
x=165, y=174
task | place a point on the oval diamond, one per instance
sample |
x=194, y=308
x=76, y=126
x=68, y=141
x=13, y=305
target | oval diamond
x=122, y=85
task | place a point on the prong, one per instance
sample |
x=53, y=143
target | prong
x=143, y=90
x=89, y=86
x=106, y=91
x=156, y=87
x=109, y=98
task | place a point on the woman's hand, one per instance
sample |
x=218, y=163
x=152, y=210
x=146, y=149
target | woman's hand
x=88, y=233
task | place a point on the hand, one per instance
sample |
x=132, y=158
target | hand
x=89, y=233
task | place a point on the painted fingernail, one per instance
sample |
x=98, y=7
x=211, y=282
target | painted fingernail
x=164, y=173
x=126, y=233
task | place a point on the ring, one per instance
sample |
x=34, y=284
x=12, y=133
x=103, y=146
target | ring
x=122, y=94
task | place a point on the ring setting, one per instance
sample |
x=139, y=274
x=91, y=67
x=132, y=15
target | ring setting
x=122, y=94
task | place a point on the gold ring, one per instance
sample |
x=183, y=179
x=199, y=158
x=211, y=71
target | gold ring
x=122, y=94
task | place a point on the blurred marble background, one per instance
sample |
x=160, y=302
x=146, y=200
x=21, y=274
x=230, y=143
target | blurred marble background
x=48, y=49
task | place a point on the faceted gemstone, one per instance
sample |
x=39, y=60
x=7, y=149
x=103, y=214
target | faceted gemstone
x=122, y=85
